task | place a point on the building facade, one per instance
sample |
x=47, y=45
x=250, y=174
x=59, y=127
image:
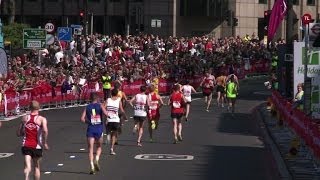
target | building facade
x=163, y=17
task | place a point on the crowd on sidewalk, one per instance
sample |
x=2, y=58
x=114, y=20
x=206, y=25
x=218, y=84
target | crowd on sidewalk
x=128, y=59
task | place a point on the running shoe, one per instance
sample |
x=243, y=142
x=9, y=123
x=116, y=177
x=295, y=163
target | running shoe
x=175, y=141
x=135, y=129
x=207, y=110
x=139, y=144
x=92, y=171
x=153, y=124
x=179, y=138
x=112, y=152
x=96, y=166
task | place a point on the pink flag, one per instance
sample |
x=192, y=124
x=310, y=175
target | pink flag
x=277, y=14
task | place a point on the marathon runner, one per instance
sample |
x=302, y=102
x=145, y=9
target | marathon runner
x=35, y=131
x=207, y=85
x=221, y=85
x=177, y=102
x=92, y=115
x=113, y=123
x=155, y=103
x=187, y=89
x=140, y=111
x=231, y=92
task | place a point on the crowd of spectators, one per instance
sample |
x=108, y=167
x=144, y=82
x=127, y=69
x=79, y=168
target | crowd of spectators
x=128, y=59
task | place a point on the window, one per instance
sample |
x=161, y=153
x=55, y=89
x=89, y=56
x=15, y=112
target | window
x=52, y=0
x=114, y=0
x=94, y=0
x=193, y=8
x=263, y=1
x=311, y=2
x=295, y=2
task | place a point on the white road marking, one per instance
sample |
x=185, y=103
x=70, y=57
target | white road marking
x=82, y=149
x=5, y=155
x=47, y=172
x=164, y=157
x=71, y=157
x=60, y=165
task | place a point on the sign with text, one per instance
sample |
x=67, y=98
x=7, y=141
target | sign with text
x=34, y=38
x=313, y=72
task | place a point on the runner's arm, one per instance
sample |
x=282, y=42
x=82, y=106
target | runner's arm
x=161, y=101
x=193, y=90
x=169, y=101
x=83, y=116
x=45, y=133
x=20, y=131
x=104, y=110
x=121, y=107
x=131, y=101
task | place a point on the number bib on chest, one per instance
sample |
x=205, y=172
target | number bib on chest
x=95, y=119
x=176, y=104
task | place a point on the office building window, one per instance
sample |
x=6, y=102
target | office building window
x=193, y=8
x=263, y=1
x=115, y=0
x=94, y=1
x=52, y=0
x=311, y=2
x=295, y=2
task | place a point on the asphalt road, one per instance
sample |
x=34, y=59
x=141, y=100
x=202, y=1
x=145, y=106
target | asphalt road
x=223, y=147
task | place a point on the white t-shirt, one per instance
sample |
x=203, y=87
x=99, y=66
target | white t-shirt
x=186, y=89
x=140, y=105
x=113, y=110
x=58, y=55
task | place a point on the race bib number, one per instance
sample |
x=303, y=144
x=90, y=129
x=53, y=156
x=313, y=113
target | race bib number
x=153, y=105
x=112, y=115
x=139, y=107
x=176, y=104
x=187, y=93
x=95, y=119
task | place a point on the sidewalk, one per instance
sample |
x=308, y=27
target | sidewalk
x=300, y=167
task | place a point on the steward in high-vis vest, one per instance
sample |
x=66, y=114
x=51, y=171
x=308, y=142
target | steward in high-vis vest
x=106, y=85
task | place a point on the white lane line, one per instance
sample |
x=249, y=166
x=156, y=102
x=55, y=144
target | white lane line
x=72, y=157
x=47, y=172
x=60, y=165
x=82, y=149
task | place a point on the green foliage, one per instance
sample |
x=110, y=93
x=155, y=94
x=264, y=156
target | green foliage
x=14, y=33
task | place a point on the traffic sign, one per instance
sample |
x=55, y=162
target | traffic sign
x=34, y=38
x=49, y=27
x=306, y=18
x=64, y=33
x=315, y=29
x=75, y=26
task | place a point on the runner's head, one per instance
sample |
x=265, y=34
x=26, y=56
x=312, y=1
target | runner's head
x=117, y=85
x=176, y=87
x=152, y=88
x=34, y=105
x=187, y=82
x=143, y=89
x=114, y=92
x=232, y=78
x=94, y=97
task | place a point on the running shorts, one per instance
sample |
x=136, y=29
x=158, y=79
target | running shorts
x=139, y=118
x=177, y=116
x=34, y=153
x=95, y=131
x=220, y=89
x=113, y=126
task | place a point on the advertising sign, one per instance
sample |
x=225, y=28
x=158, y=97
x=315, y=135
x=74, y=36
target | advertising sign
x=313, y=72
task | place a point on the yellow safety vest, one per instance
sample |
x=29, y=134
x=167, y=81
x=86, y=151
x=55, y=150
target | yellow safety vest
x=107, y=83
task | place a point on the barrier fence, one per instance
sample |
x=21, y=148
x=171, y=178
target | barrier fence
x=49, y=97
x=305, y=127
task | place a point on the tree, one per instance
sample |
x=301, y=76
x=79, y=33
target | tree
x=14, y=33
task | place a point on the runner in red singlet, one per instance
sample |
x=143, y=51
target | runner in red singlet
x=34, y=130
x=177, y=103
x=155, y=103
x=207, y=85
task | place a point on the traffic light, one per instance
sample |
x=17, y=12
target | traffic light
x=81, y=15
x=229, y=17
x=316, y=42
x=235, y=21
x=266, y=17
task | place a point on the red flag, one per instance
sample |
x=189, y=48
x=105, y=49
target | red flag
x=278, y=13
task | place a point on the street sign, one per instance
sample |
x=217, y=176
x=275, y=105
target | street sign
x=64, y=33
x=34, y=38
x=306, y=18
x=164, y=157
x=75, y=26
x=49, y=27
x=315, y=29
x=77, y=31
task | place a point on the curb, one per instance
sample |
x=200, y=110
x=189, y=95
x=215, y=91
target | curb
x=282, y=167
